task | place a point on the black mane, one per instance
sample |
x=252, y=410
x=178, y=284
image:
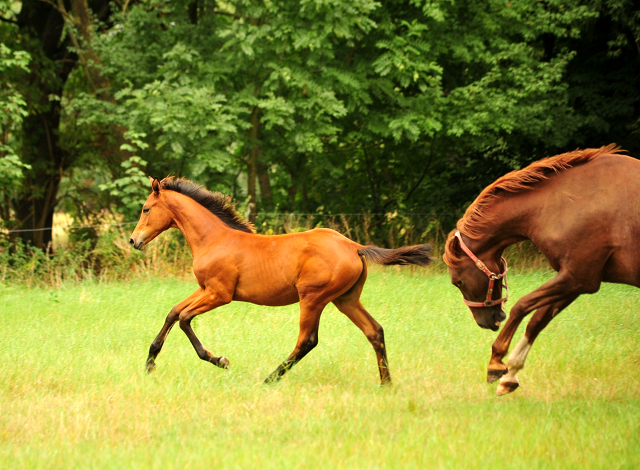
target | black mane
x=217, y=203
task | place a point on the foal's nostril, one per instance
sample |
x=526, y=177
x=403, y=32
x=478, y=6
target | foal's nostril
x=132, y=242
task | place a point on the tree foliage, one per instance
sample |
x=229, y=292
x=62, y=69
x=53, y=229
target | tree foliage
x=327, y=106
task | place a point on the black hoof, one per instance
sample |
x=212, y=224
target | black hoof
x=495, y=374
x=151, y=366
x=272, y=379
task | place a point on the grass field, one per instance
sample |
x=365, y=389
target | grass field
x=73, y=392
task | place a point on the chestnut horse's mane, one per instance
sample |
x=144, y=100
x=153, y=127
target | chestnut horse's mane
x=217, y=203
x=476, y=218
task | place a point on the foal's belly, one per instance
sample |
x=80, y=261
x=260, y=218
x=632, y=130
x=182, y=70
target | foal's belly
x=266, y=292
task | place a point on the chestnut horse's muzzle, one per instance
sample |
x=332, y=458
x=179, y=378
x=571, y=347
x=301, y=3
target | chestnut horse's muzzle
x=491, y=322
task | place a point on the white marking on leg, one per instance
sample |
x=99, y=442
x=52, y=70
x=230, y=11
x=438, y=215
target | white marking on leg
x=516, y=361
x=519, y=355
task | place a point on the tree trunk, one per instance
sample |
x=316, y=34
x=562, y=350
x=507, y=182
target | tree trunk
x=42, y=24
x=266, y=196
x=37, y=199
x=252, y=165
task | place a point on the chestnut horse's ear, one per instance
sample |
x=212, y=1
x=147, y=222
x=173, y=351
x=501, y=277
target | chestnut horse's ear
x=155, y=185
x=452, y=250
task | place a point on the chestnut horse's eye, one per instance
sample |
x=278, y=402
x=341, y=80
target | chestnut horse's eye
x=458, y=284
x=145, y=210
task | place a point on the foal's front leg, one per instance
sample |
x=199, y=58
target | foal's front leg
x=207, y=300
x=172, y=318
x=199, y=302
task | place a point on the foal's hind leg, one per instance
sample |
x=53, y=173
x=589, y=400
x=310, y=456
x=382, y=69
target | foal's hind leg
x=509, y=382
x=172, y=318
x=307, y=338
x=355, y=311
x=349, y=304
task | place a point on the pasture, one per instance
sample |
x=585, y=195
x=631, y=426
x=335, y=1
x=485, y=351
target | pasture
x=74, y=394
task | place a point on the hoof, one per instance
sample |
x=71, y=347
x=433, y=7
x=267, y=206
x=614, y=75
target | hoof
x=151, y=366
x=223, y=363
x=272, y=379
x=506, y=387
x=495, y=374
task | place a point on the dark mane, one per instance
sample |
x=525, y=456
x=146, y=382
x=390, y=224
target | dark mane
x=217, y=203
x=476, y=219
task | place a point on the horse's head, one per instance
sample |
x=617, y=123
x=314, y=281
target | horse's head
x=481, y=288
x=154, y=219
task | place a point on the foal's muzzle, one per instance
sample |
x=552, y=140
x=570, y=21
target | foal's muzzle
x=138, y=246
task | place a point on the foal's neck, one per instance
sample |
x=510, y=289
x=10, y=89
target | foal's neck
x=200, y=227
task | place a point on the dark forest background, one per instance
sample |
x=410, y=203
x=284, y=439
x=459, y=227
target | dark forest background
x=384, y=119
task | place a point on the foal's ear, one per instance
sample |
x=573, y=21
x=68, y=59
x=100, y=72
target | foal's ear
x=155, y=185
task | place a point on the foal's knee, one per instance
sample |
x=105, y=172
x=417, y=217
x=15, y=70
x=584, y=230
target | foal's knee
x=173, y=316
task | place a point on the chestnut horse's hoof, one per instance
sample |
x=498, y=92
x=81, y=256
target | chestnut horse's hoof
x=223, y=363
x=506, y=387
x=151, y=366
x=495, y=374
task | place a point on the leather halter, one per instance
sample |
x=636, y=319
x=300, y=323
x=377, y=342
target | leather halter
x=489, y=302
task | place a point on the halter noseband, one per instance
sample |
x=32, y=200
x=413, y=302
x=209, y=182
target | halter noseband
x=489, y=302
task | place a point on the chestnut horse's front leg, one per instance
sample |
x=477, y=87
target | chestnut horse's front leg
x=560, y=290
x=509, y=382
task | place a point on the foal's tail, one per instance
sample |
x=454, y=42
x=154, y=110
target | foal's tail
x=415, y=254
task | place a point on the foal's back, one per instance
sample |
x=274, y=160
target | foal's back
x=278, y=269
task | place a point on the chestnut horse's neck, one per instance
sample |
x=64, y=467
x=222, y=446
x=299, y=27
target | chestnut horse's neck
x=509, y=217
x=200, y=227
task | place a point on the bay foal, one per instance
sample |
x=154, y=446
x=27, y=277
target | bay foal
x=232, y=262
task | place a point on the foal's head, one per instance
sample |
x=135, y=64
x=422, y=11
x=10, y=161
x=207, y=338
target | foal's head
x=154, y=219
x=483, y=297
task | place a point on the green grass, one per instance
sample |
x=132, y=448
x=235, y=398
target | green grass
x=73, y=392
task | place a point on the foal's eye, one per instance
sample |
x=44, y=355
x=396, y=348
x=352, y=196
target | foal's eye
x=145, y=210
x=458, y=284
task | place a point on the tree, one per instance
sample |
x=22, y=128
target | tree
x=318, y=106
x=39, y=29
x=13, y=112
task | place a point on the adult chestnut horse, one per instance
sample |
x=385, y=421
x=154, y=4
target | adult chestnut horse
x=232, y=262
x=581, y=209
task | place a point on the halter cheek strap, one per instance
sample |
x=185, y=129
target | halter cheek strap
x=489, y=302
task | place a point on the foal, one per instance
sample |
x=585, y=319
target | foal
x=232, y=262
